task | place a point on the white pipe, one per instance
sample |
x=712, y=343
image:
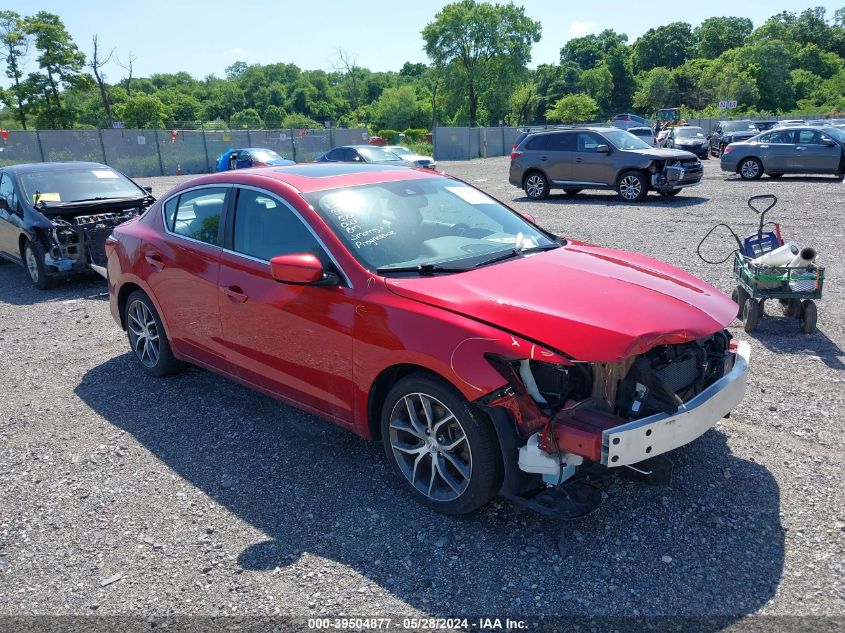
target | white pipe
x=803, y=259
x=529, y=382
x=778, y=257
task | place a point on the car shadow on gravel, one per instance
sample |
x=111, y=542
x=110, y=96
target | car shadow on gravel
x=613, y=200
x=709, y=544
x=17, y=289
x=786, y=179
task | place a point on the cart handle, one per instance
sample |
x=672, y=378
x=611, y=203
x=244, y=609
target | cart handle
x=765, y=196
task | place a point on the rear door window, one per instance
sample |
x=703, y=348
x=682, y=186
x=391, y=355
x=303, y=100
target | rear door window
x=197, y=214
x=561, y=142
x=537, y=143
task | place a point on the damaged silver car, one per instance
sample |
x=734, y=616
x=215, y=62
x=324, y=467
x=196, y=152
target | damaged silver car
x=55, y=217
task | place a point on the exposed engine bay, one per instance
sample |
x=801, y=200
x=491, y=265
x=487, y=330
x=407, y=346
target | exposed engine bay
x=78, y=241
x=563, y=412
x=671, y=174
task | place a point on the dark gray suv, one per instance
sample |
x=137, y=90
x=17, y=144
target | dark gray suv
x=574, y=159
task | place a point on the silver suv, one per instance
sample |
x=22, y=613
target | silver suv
x=576, y=158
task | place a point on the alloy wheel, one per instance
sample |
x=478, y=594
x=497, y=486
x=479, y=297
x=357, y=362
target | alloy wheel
x=750, y=169
x=31, y=264
x=630, y=187
x=430, y=447
x=143, y=333
x=534, y=186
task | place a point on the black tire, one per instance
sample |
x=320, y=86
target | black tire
x=33, y=261
x=751, y=315
x=479, y=443
x=739, y=296
x=140, y=315
x=775, y=175
x=809, y=315
x=750, y=169
x=706, y=156
x=669, y=194
x=571, y=190
x=536, y=186
x=632, y=186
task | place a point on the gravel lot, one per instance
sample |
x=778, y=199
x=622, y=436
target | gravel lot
x=126, y=494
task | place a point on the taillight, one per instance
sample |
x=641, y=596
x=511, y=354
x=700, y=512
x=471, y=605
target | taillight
x=515, y=155
x=728, y=150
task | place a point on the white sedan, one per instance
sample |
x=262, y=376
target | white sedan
x=412, y=157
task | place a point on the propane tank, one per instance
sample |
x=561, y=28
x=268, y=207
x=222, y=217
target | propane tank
x=778, y=257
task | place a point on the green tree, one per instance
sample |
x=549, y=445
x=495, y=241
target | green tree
x=807, y=85
x=718, y=34
x=669, y=46
x=598, y=84
x=657, y=90
x=399, y=109
x=523, y=103
x=555, y=81
x=688, y=79
x=619, y=63
x=577, y=108
x=13, y=48
x=815, y=60
x=480, y=42
x=248, y=118
x=60, y=60
x=589, y=50
x=143, y=111
x=298, y=121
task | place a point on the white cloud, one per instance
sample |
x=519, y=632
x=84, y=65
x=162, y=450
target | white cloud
x=238, y=51
x=577, y=29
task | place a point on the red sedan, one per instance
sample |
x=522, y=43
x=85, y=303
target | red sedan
x=488, y=355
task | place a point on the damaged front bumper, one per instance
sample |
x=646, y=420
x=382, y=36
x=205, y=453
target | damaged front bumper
x=642, y=439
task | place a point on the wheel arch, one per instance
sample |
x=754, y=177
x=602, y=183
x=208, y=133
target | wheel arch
x=530, y=171
x=751, y=156
x=382, y=384
x=122, y=296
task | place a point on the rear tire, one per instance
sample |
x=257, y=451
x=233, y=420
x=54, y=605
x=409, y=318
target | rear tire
x=33, y=261
x=536, y=186
x=750, y=169
x=147, y=337
x=632, y=186
x=443, y=450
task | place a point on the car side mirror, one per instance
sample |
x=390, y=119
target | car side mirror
x=301, y=269
x=148, y=189
x=602, y=149
x=528, y=217
x=829, y=142
x=4, y=205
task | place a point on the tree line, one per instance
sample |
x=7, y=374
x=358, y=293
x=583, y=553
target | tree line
x=477, y=75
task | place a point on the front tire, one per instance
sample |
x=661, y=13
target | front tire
x=536, y=186
x=444, y=451
x=632, y=186
x=147, y=337
x=33, y=259
x=750, y=169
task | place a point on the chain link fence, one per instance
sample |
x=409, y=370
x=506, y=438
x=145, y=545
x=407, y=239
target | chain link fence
x=140, y=153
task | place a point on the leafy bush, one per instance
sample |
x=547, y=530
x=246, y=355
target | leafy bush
x=415, y=134
x=423, y=149
x=391, y=137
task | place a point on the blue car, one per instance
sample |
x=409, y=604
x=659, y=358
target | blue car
x=250, y=157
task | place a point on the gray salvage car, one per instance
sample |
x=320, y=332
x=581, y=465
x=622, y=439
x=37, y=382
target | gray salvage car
x=575, y=158
x=792, y=150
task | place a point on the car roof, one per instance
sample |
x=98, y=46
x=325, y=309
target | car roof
x=311, y=177
x=25, y=168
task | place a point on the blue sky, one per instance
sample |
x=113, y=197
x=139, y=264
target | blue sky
x=205, y=37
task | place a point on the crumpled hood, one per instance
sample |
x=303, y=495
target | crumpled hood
x=663, y=153
x=590, y=303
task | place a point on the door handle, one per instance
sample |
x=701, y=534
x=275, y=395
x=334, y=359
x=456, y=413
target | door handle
x=154, y=260
x=543, y=158
x=577, y=160
x=235, y=294
x=802, y=148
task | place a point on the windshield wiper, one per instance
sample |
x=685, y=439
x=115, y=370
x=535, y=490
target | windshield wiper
x=110, y=199
x=516, y=252
x=422, y=269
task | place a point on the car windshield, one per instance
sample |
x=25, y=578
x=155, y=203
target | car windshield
x=377, y=155
x=739, y=126
x=76, y=185
x=265, y=155
x=836, y=133
x=689, y=132
x=625, y=140
x=426, y=222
